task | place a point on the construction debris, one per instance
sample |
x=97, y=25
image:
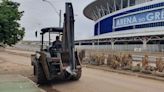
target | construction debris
x=159, y=65
x=126, y=62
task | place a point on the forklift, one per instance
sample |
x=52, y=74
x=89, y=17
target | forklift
x=50, y=62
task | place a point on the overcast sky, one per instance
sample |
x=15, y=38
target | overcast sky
x=39, y=14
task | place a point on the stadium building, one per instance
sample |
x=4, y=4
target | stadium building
x=126, y=25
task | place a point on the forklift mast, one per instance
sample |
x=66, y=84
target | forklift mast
x=68, y=35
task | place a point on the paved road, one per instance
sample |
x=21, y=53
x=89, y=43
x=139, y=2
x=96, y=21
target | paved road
x=101, y=81
x=96, y=80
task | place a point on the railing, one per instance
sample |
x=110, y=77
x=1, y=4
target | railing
x=134, y=47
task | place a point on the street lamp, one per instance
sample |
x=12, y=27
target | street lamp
x=58, y=13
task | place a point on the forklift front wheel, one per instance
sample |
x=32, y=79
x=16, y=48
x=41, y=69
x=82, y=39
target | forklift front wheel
x=39, y=74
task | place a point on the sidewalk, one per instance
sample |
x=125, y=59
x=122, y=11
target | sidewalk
x=17, y=83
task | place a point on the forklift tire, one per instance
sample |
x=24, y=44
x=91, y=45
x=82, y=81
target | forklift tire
x=39, y=74
x=77, y=77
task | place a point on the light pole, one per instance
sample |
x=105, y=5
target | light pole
x=58, y=13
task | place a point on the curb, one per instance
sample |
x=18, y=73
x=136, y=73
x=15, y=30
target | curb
x=141, y=75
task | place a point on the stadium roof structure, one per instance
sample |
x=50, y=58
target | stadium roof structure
x=100, y=8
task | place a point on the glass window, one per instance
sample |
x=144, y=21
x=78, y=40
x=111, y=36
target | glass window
x=140, y=1
x=118, y=5
x=125, y=3
x=132, y=2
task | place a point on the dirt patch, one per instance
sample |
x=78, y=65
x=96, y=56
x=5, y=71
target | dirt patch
x=48, y=88
x=12, y=68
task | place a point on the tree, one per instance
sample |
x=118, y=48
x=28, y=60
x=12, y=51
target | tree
x=10, y=30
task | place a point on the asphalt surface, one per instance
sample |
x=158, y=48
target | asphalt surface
x=92, y=80
x=100, y=81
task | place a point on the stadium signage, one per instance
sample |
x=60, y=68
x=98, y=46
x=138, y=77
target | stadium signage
x=139, y=18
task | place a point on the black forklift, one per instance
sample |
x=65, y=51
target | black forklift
x=52, y=63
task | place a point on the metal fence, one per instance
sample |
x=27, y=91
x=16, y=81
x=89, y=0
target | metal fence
x=128, y=47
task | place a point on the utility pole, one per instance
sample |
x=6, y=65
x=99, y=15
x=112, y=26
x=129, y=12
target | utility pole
x=60, y=14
